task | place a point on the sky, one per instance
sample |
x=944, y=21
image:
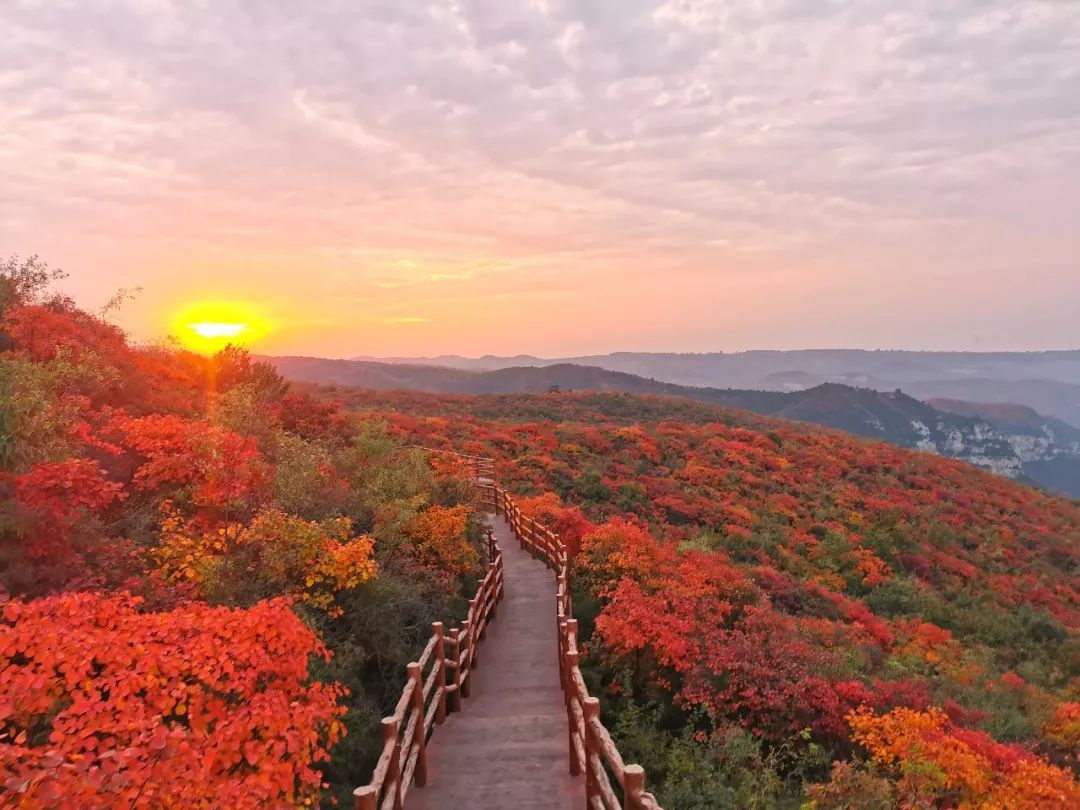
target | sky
x=557, y=177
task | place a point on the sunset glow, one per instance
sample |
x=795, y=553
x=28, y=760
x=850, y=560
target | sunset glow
x=649, y=176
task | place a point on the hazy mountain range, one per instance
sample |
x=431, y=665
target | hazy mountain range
x=1012, y=440
x=1048, y=381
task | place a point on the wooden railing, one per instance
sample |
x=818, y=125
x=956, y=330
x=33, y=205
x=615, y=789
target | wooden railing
x=480, y=468
x=425, y=701
x=591, y=749
x=449, y=659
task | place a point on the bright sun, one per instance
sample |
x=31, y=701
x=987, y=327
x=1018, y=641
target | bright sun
x=218, y=330
x=208, y=326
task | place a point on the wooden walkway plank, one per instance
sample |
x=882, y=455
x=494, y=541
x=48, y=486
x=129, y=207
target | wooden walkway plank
x=508, y=748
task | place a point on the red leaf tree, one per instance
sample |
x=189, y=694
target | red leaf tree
x=104, y=706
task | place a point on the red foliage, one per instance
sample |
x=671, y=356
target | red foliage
x=569, y=522
x=160, y=700
x=42, y=332
x=57, y=493
x=219, y=466
x=733, y=561
x=104, y=706
x=311, y=418
x=697, y=615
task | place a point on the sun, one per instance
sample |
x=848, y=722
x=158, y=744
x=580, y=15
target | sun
x=209, y=326
x=212, y=329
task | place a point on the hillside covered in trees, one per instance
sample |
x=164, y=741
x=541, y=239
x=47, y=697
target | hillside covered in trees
x=1010, y=440
x=209, y=584
x=778, y=613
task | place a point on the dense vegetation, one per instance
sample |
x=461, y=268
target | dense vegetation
x=778, y=614
x=1010, y=440
x=209, y=584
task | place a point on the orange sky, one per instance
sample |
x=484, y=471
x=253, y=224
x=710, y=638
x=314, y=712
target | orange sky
x=556, y=179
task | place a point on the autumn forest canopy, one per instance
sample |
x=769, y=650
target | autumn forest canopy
x=211, y=580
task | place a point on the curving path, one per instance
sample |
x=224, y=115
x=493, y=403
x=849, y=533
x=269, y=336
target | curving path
x=508, y=749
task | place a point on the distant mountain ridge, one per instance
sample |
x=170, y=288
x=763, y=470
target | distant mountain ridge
x=1013, y=441
x=1048, y=381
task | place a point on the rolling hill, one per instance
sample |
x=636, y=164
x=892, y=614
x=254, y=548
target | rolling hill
x=1034, y=448
x=1048, y=381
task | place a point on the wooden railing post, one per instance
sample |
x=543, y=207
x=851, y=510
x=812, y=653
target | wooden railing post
x=440, y=679
x=590, y=709
x=365, y=798
x=476, y=610
x=571, y=664
x=633, y=787
x=561, y=616
x=419, y=728
x=465, y=659
x=560, y=639
x=455, y=644
x=393, y=773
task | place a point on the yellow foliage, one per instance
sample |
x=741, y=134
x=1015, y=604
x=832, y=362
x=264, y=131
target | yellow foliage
x=184, y=554
x=306, y=559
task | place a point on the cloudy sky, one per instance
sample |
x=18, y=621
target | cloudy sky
x=556, y=176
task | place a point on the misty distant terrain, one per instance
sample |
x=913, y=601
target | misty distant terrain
x=1049, y=382
x=1011, y=440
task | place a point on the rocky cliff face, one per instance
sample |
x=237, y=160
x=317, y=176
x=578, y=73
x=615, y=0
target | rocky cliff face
x=1010, y=440
x=1014, y=441
x=975, y=442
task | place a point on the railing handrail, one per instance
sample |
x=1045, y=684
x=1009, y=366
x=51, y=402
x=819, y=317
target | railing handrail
x=486, y=461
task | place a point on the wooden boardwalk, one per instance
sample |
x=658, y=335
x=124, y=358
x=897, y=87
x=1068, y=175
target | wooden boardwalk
x=508, y=749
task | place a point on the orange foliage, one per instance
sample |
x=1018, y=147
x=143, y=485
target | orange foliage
x=441, y=540
x=616, y=549
x=939, y=762
x=450, y=464
x=1063, y=728
x=928, y=642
